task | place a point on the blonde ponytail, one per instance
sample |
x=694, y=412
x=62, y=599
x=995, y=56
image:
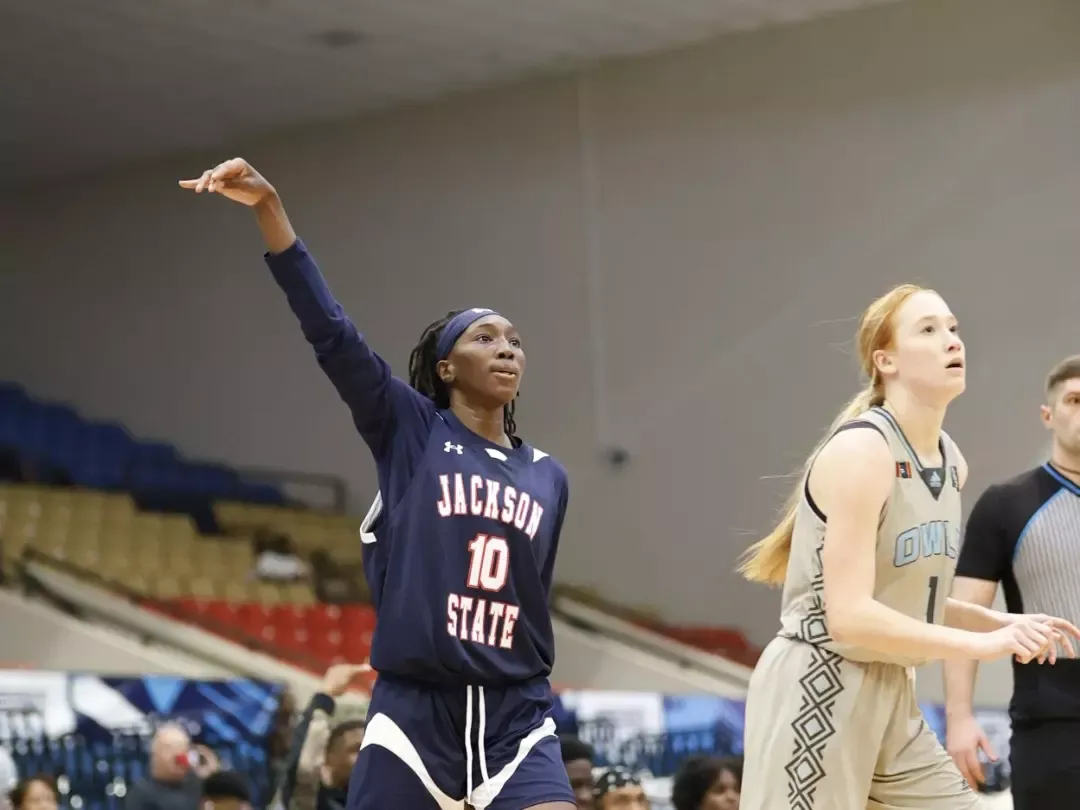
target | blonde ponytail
x=766, y=561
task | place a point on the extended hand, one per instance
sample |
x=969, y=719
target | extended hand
x=1062, y=632
x=235, y=179
x=340, y=677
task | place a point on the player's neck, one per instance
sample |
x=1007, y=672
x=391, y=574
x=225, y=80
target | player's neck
x=486, y=423
x=1066, y=463
x=920, y=422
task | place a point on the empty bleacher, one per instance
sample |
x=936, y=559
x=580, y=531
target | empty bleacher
x=62, y=447
x=327, y=633
x=161, y=561
x=153, y=554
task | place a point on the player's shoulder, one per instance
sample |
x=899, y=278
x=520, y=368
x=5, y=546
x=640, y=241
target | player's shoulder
x=853, y=462
x=855, y=470
x=857, y=442
x=546, y=462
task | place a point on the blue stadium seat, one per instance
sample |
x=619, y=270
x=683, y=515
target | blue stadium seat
x=104, y=455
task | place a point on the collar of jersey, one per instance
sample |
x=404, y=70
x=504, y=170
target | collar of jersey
x=472, y=439
x=1061, y=479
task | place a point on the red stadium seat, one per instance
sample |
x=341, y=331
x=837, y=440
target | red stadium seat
x=221, y=612
x=323, y=618
x=253, y=617
x=354, y=617
x=326, y=646
x=318, y=635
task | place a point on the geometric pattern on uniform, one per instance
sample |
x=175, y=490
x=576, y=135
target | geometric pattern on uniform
x=813, y=727
x=813, y=628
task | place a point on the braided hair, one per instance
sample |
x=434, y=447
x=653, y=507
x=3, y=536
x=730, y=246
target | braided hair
x=424, y=372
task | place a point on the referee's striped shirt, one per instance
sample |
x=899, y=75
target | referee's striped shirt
x=1025, y=534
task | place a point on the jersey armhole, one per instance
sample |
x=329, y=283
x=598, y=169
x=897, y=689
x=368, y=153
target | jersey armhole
x=858, y=423
x=368, y=524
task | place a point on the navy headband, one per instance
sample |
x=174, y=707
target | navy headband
x=456, y=327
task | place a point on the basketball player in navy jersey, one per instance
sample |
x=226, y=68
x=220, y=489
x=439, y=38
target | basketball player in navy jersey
x=459, y=546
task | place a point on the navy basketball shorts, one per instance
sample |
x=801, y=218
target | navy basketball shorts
x=429, y=747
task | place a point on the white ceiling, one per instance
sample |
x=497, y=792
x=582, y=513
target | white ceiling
x=93, y=83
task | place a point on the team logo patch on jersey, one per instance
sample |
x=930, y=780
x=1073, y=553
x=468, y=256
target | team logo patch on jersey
x=903, y=469
x=954, y=476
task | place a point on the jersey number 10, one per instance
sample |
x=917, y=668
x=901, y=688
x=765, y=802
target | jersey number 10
x=489, y=562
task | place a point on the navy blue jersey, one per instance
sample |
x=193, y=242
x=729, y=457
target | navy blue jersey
x=459, y=548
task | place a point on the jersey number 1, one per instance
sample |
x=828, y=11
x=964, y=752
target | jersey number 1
x=489, y=562
x=931, y=605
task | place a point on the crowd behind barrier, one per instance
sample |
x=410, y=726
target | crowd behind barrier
x=92, y=732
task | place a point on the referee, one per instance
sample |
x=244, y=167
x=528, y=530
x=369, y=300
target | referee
x=1025, y=534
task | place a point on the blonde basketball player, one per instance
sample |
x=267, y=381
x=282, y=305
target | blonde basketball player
x=866, y=555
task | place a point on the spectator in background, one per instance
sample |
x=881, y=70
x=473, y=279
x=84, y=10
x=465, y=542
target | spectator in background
x=36, y=793
x=172, y=783
x=618, y=789
x=579, y=758
x=336, y=583
x=708, y=783
x=276, y=559
x=225, y=790
x=281, y=737
x=321, y=759
x=9, y=777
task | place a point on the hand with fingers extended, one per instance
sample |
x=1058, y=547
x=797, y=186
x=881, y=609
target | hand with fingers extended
x=1063, y=634
x=340, y=677
x=235, y=179
x=1025, y=638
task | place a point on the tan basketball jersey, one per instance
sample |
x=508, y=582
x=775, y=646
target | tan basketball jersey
x=917, y=542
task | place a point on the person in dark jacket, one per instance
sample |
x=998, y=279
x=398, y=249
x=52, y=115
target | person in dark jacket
x=172, y=783
x=225, y=790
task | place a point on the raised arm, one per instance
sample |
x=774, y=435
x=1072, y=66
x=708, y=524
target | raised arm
x=379, y=402
x=851, y=480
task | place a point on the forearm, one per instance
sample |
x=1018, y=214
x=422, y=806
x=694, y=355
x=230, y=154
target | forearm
x=277, y=231
x=969, y=616
x=960, y=687
x=313, y=751
x=305, y=759
x=872, y=625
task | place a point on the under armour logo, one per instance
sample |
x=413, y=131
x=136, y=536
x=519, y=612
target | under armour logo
x=451, y=446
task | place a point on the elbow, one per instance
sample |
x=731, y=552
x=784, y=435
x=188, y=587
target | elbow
x=845, y=624
x=841, y=631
